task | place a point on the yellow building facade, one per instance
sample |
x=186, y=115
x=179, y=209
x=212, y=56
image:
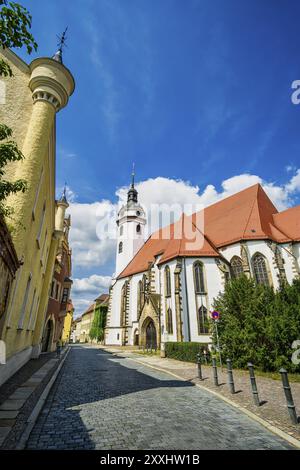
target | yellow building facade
x=32, y=97
x=68, y=323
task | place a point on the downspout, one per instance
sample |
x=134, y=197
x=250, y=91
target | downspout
x=187, y=304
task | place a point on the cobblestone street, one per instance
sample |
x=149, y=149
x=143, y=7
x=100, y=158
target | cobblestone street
x=101, y=401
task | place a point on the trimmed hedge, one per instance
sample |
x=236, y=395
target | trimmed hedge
x=185, y=351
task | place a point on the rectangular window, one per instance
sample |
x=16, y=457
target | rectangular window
x=65, y=295
x=38, y=239
x=32, y=326
x=12, y=301
x=57, y=291
x=43, y=249
x=37, y=194
x=24, y=304
x=32, y=308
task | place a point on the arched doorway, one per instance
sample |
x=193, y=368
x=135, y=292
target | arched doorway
x=151, y=335
x=136, y=338
x=47, y=336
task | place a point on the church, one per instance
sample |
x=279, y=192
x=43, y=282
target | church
x=164, y=288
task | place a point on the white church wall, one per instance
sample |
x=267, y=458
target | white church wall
x=230, y=251
x=114, y=335
x=296, y=252
x=288, y=262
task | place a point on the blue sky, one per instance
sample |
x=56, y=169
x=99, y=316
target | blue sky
x=197, y=91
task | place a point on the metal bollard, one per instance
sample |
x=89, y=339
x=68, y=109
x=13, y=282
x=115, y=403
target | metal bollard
x=253, y=384
x=215, y=371
x=230, y=376
x=288, y=396
x=199, y=367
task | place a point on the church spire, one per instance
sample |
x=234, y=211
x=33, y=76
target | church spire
x=132, y=195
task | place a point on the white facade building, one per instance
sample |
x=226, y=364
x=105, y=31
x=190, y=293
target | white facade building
x=165, y=287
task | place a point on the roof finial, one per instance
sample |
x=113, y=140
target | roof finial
x=132, y=175
x=61, y=44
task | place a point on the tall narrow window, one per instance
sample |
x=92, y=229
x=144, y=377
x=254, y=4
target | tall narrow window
x=138, y=228
x=120, y=247
x=140, y=298
x=123, y=305
x=65, y=295
x=38, y=238
x=202, y=320
x=32, y=326
x=199, y=278
x=24, y=304
x=260, y=269
x=121, y=230
x=236, y=267
x=167, y=282
x=169, y=321
x=31, y=310
x=37, y=193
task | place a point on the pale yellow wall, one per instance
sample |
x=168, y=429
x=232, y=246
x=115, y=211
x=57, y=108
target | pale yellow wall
x=67, y=326
x=85, y=326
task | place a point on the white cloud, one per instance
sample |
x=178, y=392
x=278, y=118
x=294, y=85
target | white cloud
x=85, y=290
x=88, y=249
x=92, y=250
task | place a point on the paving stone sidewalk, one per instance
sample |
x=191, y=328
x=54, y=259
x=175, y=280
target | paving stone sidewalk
x=19, y=395
x=274, y=408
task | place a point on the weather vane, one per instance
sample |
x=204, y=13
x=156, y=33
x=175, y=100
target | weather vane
x=62, y=40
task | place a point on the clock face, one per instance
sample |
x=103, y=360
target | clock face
x=138, y=213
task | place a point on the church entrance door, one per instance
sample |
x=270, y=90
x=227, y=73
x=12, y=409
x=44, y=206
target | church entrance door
x=151, y=335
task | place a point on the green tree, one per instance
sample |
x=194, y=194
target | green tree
x=99, y=323
x=258, y=324
x=15, y=24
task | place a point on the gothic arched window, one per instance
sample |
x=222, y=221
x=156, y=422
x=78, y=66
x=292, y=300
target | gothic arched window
x=167, y=282
x=202, y=320
x=260, y=269
x=123, y=304
x=236, y=267
x=140, y=298
x=199, y=278
x=120, y=247
x=169, y=321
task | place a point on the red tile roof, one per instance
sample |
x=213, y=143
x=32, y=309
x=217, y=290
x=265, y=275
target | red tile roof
x=246, y=215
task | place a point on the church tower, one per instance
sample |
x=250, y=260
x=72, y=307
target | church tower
x=131, y=229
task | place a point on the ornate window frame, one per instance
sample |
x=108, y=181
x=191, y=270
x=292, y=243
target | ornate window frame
x=236, y=270
x=267, y=269
x=202, y=279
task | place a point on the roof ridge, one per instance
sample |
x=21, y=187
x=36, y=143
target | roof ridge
x=248, y=220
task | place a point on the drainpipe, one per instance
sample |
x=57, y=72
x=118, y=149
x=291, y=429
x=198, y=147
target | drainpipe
x=187, y=303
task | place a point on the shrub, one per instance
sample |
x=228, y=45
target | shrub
x=258, y=324
x=184, y=351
